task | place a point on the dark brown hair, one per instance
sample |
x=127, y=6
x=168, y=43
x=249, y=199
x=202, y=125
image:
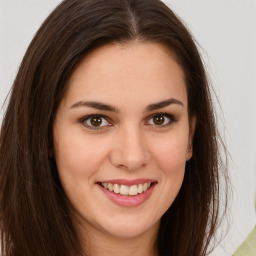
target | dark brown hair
x=34, y=219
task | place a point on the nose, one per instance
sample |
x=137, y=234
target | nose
x=130, y=151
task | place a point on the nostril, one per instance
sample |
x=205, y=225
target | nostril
x=130, y=156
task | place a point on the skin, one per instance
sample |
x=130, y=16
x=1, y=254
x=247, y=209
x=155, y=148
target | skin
x=127, y=145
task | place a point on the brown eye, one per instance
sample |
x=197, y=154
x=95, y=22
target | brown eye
x=96, y=121
x=159, y=119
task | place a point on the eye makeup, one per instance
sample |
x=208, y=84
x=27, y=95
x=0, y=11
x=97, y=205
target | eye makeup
x=99, y=121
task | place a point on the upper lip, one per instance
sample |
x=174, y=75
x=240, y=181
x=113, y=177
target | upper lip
x=128, y=182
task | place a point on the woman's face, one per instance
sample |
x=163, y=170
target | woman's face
x=122, y=138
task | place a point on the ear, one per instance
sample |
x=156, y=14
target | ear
x=192, y=128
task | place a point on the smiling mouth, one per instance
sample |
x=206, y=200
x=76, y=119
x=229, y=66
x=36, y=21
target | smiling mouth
x=127, y=190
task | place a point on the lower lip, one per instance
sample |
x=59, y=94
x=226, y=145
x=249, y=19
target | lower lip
x=128, y=201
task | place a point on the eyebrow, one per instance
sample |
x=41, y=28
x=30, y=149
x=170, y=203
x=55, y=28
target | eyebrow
x=163, y=104
x=109, y=108
x=96, y=105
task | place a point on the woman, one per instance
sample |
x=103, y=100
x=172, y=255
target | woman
x=109, y=144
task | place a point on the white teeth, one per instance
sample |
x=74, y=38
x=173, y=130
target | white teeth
x=124, y=190
x=127, y=190
x=140, y=188
x=110, y=187
x=133, y=190
x=116, y=188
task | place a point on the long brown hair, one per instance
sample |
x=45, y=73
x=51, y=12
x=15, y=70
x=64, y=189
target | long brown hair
x=34, y=219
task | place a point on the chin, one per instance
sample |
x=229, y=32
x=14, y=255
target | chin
x=130, y=228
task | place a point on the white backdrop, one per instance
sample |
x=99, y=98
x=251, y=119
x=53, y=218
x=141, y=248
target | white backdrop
x=225, y=30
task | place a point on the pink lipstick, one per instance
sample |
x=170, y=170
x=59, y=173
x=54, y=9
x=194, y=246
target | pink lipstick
x=127, y=193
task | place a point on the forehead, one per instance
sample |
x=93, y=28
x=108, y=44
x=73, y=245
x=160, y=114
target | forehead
x=139, y=71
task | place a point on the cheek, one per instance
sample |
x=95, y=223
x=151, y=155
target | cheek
x=78, y=161
x=170, y=158
x=171, y=155
x=78, y=157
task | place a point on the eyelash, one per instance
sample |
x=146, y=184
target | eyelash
x=86, y=118
x=171, y=118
